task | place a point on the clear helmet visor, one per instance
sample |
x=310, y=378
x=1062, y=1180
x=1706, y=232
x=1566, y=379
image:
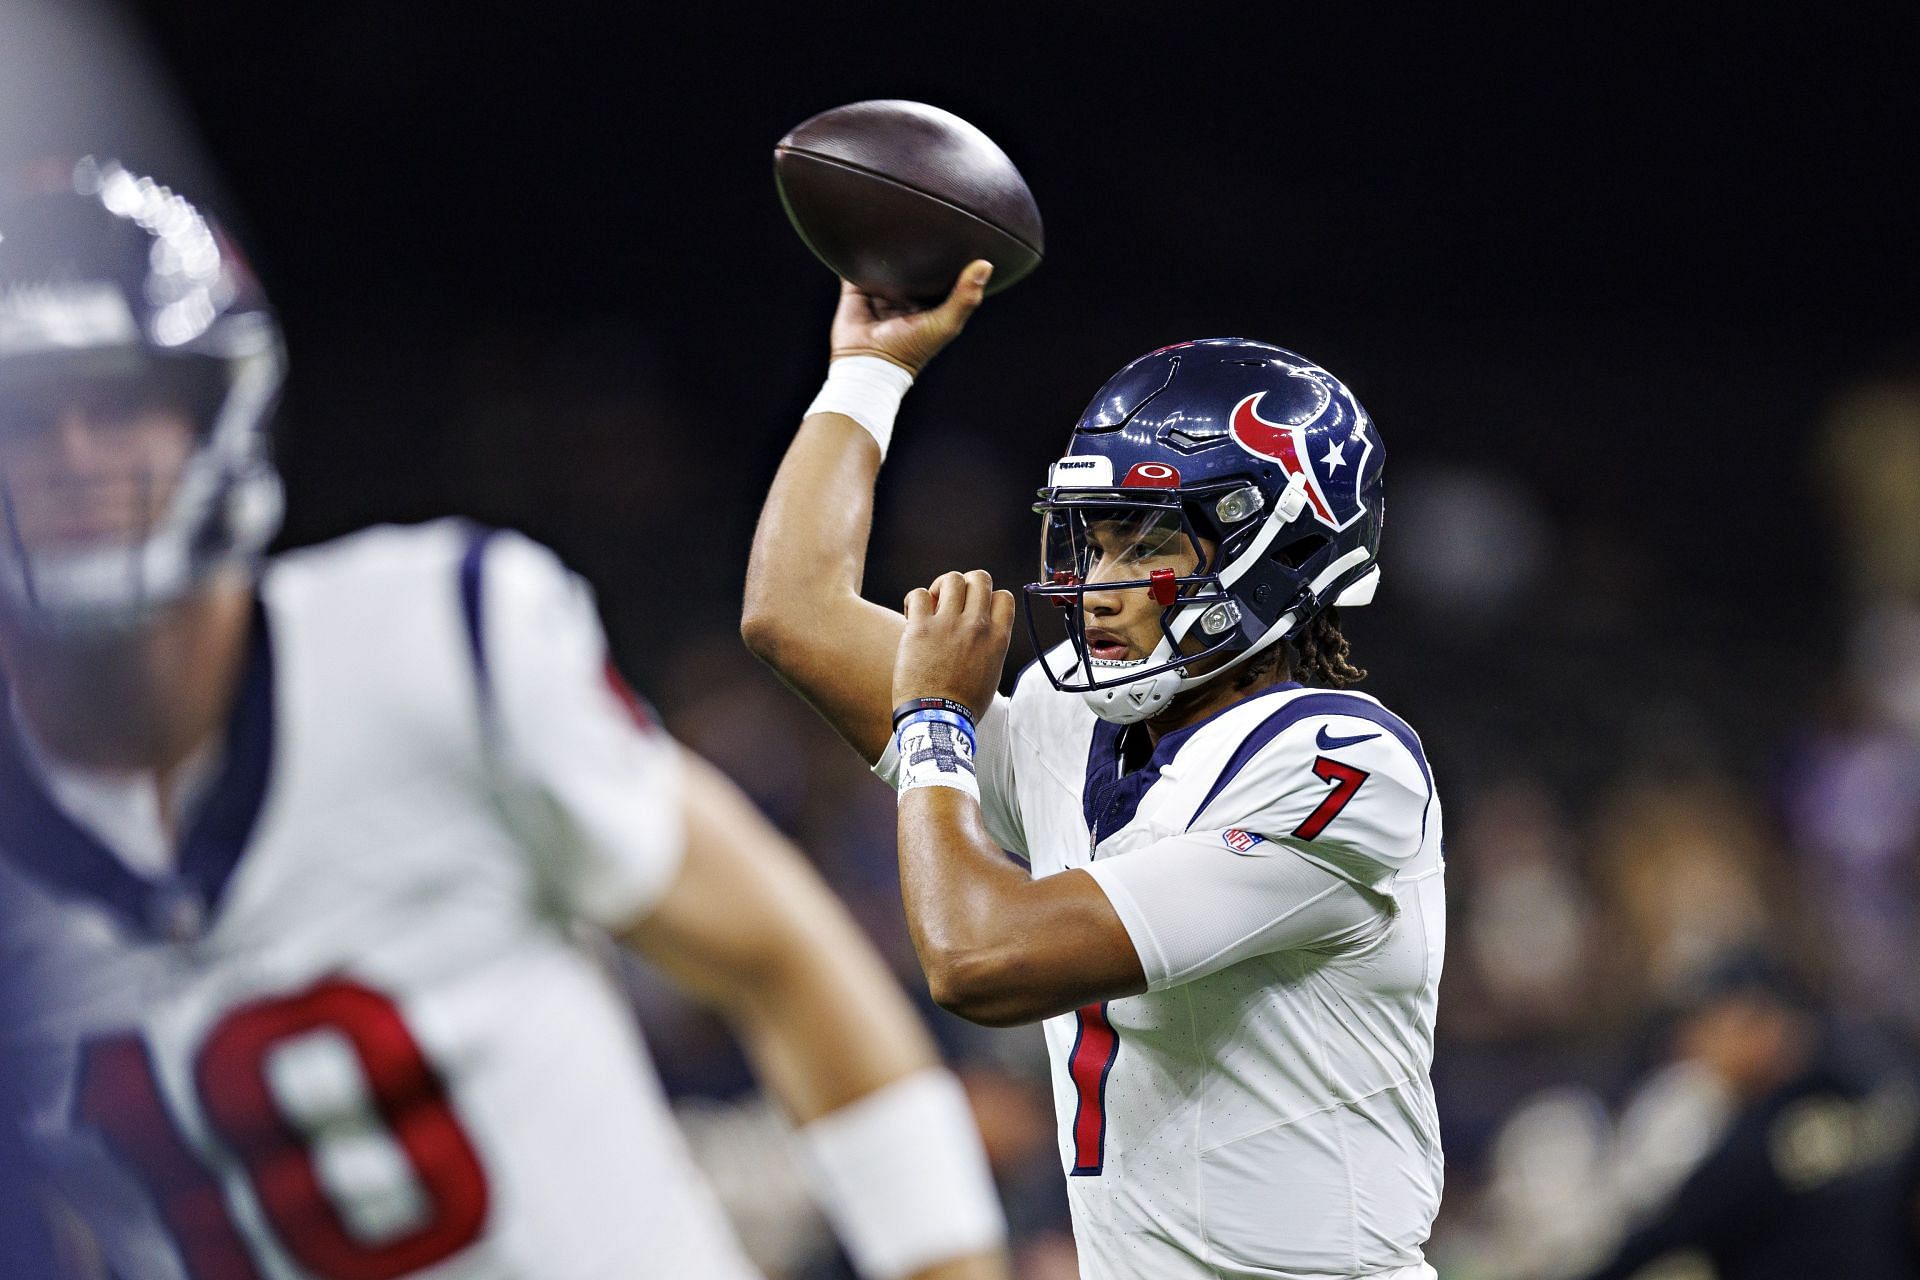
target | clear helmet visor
x=1130, y=586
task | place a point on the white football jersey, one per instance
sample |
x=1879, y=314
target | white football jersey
x=1264, y=1109
x=352, y=1033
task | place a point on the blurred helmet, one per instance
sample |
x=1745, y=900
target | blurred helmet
x=116, y=292
x=1261, y=457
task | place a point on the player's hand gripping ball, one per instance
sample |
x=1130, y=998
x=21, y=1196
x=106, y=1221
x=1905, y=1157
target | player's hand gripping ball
x=897, y=197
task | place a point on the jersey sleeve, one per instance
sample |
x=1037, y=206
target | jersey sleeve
x=993, y=767
x=1349, y=793
x=592, y=783
x=1196, y=903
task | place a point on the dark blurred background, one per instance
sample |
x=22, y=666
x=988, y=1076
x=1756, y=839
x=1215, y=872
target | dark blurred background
x=1630, y=293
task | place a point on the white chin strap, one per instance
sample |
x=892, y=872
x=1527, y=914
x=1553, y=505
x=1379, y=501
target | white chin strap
x=1146, y=697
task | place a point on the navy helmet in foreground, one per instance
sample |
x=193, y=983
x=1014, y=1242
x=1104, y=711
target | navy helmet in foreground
x=1264, y=460
x=118, y=297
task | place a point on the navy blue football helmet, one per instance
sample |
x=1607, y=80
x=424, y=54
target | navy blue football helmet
x=116, y=291
x=1260, y=457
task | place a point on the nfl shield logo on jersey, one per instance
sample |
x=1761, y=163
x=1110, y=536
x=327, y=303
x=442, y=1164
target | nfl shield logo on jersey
x=1241, y=841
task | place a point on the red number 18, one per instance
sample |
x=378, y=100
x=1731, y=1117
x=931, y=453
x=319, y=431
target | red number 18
x=118, y=1094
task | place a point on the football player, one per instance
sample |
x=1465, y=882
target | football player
x=294, y=857
x=1233, y=921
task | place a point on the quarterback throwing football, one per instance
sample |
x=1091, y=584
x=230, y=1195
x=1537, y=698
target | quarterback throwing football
x=1233, y=919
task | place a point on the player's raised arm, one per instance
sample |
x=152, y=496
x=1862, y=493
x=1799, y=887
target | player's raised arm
x=748, y=927
x=804, y=615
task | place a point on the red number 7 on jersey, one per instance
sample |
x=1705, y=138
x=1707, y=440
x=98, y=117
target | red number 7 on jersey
x=1346, y=780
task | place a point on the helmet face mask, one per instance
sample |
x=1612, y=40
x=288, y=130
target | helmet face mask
x=139, y=367
x=1106, y=546
x=1268, y=469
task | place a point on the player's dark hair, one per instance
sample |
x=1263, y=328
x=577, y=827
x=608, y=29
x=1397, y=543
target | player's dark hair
x=1322, y=656
x=1318, y=655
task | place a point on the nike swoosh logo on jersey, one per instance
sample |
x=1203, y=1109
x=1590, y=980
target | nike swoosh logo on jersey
x=1327, y=743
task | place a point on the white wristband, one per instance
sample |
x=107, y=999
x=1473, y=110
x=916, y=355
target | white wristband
x=901, y=1175
x=866, y=389
x=936, y=749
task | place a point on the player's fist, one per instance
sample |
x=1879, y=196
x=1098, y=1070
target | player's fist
x=955, y=642
x=866, y=325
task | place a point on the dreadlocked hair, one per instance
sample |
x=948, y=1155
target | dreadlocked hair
x=1321, y=655
x=1318, y=655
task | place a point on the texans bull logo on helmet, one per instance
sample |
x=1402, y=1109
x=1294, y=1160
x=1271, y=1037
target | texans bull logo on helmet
x=1333, y=478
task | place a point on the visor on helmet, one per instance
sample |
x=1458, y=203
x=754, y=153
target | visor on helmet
x=1120, y=541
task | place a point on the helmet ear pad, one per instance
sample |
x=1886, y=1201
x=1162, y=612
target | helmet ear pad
x=1280, y=580
x=1275, y=581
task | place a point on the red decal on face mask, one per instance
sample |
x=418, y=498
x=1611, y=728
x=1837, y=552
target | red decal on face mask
x=1163, y=588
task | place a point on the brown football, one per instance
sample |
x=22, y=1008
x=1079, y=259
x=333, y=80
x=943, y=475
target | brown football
x=898, y=196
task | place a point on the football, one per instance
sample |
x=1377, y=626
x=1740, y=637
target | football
x=899, y=196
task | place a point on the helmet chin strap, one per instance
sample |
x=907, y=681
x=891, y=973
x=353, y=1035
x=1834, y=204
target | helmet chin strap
x=1146, y=697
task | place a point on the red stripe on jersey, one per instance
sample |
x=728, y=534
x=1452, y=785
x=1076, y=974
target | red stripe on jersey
x=635, y=706
x=1094, y=1049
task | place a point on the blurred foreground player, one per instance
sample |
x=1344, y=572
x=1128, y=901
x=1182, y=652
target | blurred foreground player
x=1234, y=921
x=294, y=857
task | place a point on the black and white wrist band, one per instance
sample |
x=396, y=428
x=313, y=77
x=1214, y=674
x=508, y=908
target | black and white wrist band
x=912, y=705
x=936, y=748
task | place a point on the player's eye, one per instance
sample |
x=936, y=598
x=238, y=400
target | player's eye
x=1154, y=544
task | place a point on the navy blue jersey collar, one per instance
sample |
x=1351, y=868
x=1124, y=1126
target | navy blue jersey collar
x=1112, y=796
x=39, y=837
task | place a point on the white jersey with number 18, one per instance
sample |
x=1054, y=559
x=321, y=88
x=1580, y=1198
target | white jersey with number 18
x=1264, y=1109
x=350, y=1032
